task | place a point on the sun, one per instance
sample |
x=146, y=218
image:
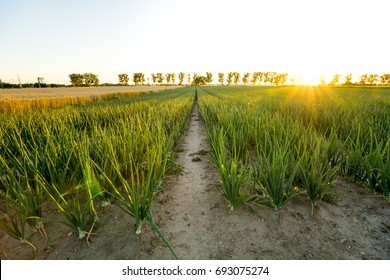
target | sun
x=310, y=78
x=313, y=75
x=310, y=81
x=314, y=78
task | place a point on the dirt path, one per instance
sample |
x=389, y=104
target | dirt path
x=196, y=220
x=194, y=201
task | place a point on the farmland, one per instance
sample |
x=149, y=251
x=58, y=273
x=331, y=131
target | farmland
x=259, y=172
x=19, y=100
x=71, y=91
x=300, y=137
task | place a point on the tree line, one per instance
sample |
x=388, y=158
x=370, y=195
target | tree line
x=365, y=79
x=86, y=79
x=229, y=78
x=254, y=78
x=269, y=78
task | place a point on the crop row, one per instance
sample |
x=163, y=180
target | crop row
x=76, y=157
x=271, y=144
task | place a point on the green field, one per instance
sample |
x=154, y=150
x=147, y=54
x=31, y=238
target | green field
x=78, y=156
x=269, y=145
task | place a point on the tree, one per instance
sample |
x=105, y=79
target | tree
x=284, y=78
x=199, y=80
x=261, y=77
x=255, y=78
x=245, y=78
x=385, y=79
x=168, y=77
x=90, y=79
x=221, y=77
x=160, y=78
x=189, y=78
x=280, y=79
x=123, y=79
x=173, y=78
x=348, y=79
x=209, y=77
x=76, y=79
x=236, y=78
x=139, y=78
x=268, y=77
x=363, y=79
x=265, y=77
x=276, y=79
x=336, y=80
x=373, y=78
x=181, y=78
x=154, y=78
x=272, y=77
x=229, y=79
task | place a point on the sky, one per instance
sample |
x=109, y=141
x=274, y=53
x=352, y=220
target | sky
x=52, y=39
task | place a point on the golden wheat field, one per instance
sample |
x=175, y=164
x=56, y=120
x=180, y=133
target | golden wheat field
x=73, y=91
x=27, y=99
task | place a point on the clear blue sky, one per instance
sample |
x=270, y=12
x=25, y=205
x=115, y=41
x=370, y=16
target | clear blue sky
x=55, y=38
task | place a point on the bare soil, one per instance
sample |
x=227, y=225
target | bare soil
x=74, y=91
x=195, y=218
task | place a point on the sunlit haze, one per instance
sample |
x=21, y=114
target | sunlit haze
x=52, y=39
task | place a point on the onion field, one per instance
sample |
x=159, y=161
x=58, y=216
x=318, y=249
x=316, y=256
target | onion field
x=76, y=157
x=269, y=144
